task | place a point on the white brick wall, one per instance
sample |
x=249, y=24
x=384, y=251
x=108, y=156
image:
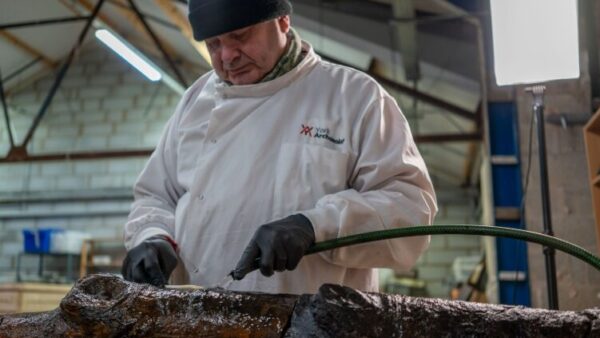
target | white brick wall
x=38, y=209
x=125, y=141
x=91, y=104
x=132, y=78
x=90, y=142
x=56, y=168
x=68, y=130
x=134, y=115
x=13, y=185
x=10, y=249
x=117, y=103
x=105, y=181
x=101, y=105
x=90, y=167
x=70, y=183
x=41, y=184
x=111, y=67
x=100, y=128
x=55, y=121
x=59, y=105
x=132, y=90
x=57, y=144
x=73, y=82
x=131, y=128
x=95, y=92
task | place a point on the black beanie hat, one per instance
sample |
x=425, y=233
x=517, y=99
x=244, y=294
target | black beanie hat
x=214, y=17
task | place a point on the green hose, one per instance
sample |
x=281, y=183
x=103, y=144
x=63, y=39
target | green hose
x=460, y=229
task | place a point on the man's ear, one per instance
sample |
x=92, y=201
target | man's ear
x=284, y=23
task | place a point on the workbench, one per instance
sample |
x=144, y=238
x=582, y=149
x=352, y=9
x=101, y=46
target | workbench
x=31, y=297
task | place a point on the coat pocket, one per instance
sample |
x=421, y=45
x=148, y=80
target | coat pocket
x=305, y=173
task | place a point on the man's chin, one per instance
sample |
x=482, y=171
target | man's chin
x=243, y=78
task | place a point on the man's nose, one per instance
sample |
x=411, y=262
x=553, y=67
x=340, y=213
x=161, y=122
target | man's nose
x=229, y=54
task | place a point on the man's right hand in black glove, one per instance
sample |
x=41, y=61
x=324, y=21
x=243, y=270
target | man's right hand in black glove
x=150, y=262
x=276, y=246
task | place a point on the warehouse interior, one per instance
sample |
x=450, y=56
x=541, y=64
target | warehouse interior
x=79, y=124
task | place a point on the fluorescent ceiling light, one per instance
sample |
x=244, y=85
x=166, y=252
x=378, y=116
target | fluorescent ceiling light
x=534, y=40
x=121, y=47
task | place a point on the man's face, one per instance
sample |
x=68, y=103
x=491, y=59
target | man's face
x=246, y=55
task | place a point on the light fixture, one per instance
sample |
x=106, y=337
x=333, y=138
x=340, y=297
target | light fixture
x=534, y=40
x=122, y=48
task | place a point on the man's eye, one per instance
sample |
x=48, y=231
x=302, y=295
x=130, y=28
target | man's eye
x=212, y=44
x=240, y=36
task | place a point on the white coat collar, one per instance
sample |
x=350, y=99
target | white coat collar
x=270, y=87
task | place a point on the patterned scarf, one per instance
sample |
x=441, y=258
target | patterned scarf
x=290, y=59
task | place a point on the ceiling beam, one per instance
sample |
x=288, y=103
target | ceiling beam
x=125, y=11
x=422, y=96
x=11, y=138
x=103, y=22
x=175, y=15
x=35, y=23
x=405, y=37
x=73, y=8
x=150, y=17
x=435, y=138
x=84, y=155
x=104, y=19
x=158, y=43
x=20, y=44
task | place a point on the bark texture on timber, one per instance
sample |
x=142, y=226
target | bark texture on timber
x=338, y=311
x=107, y=306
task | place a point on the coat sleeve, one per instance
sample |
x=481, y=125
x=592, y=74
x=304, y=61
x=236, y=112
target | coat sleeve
x=389, y=188
x=156, y=191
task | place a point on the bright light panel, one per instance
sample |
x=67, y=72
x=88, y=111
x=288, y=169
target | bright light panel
x=128, y=54
x=534, y=40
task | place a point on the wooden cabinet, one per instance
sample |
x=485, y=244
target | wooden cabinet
x=591, y=133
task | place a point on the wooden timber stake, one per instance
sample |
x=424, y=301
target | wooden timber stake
x=108, y=306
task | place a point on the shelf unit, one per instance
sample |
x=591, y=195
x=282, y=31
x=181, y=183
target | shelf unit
x=68, y=262
x=591, y=134
x=102, y=255
x=511, y=254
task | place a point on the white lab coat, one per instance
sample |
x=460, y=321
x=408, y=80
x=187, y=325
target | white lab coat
x=323, y=139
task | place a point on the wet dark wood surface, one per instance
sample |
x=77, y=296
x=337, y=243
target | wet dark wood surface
x=107, y=306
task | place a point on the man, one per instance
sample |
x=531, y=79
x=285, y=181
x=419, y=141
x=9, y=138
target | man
x=269, y=153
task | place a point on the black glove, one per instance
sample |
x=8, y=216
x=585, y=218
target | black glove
x=276, y=246
x=150, y=262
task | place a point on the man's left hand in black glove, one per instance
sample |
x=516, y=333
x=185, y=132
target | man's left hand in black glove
x=276, y=246
x=152, y=261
